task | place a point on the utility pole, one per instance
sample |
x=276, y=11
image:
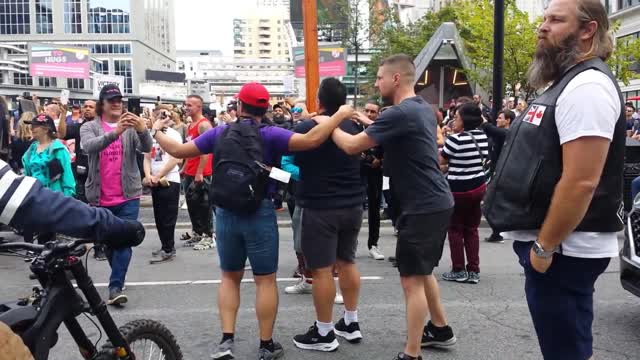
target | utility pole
x=356, y=44
x=310, y=26
x=498, y=56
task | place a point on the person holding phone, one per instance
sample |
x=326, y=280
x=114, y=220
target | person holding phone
x=113, y=180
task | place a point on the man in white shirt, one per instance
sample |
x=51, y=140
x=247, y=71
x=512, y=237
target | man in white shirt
x=163, y=177
x=561, y=174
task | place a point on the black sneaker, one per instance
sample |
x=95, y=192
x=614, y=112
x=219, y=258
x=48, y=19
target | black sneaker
x=116, y=297
x=350, y=332
x=163, y=256
x=98, y=253
x=474, y=277
x=495, y=238
x=403, y=356
x=438, y=336
x=313, y=341
x=266, y=354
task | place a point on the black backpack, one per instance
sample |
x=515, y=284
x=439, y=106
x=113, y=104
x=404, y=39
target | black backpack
x=239, y=179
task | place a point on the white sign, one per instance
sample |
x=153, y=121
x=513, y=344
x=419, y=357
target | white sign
x=99, y=81
x=166, y=90
x=64, y=96
x=201, y=89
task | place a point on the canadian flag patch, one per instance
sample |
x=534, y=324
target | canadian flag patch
x=535, y=114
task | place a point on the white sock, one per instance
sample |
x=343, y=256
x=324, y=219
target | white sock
x=324, y=328
x=350, y=317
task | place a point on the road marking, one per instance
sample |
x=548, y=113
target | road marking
x=211, y=282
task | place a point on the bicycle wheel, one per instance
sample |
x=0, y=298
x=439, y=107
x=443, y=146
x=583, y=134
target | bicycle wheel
x=147, y=339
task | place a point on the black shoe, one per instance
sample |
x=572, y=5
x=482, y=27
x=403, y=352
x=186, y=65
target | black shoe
x=163, y=256
x=116, y=297
x=350, y=332
x=403, y=356
x=266, y=354
x=98, y=254
x=313, y=341
x=438, y=336
x=495, y=238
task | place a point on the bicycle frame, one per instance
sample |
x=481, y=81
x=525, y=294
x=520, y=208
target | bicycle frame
x=37, y=322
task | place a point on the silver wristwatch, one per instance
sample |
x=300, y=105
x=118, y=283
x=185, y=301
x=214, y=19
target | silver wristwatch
x=540, y=252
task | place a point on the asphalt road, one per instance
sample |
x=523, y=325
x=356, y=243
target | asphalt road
x=490, y=319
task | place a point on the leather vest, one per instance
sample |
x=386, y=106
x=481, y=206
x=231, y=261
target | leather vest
x=530, y=166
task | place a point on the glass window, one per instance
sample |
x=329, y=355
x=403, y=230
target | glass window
x=72, y=16
x=108, y=16
x=103, y=68
x=47, y=81
x=22, y=79
x=14, y=17
x=123, y=68
x=44, y=17
x=75, y=83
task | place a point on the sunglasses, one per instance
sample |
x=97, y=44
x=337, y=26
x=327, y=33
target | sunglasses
x=296, y=110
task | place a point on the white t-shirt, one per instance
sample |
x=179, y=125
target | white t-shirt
x=159, y=157
x=588, y=106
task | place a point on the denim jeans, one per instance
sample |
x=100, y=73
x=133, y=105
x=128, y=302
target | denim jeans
x=119, y=259
x=254, y=236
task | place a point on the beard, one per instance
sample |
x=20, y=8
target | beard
x=551, y=62
x=279, y=119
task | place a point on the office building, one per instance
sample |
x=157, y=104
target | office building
x=628, y=14
x=226, y=75
x=125, y=38
x=262, y=35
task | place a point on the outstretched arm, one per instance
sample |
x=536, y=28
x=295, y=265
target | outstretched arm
x=353, y=144
x=29, y=204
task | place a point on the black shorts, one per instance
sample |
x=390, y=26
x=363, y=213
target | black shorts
x=421, y=241
x=328, y=235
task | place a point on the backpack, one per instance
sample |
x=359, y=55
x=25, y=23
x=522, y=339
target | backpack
x=239, y=177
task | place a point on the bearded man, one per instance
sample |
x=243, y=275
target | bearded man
x=568, y=152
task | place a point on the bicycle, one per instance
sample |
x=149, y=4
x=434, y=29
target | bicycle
x=37, y=318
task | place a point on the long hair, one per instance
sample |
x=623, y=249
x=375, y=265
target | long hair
x=24, y=129
x=602, y=45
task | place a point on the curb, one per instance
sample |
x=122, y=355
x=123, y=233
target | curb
x=287, y=223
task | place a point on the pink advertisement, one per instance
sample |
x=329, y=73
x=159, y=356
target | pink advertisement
x=58, y=61
x=332, y=61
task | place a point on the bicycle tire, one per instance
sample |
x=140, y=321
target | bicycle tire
x=145, y=330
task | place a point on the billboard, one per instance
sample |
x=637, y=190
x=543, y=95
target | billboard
x=53, y=60
x=100, y=80
x=332, y=61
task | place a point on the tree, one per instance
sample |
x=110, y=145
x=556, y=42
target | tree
x=474, y=20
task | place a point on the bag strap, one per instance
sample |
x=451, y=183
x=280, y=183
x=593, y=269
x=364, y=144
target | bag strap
x=475, y=142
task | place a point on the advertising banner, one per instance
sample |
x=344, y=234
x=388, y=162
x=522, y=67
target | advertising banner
x=53, y=60
x=332, y=61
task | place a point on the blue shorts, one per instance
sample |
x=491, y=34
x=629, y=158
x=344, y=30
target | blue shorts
x=561, y=303
x=255, y=236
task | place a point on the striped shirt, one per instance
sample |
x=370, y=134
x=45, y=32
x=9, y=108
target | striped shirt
x=13, y=190
x=465, y=162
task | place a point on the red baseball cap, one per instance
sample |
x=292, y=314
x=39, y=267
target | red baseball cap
x=254, y=94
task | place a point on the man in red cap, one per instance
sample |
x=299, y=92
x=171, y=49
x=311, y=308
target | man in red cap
x=248, y=229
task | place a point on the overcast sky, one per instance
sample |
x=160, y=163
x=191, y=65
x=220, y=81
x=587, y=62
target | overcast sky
x=207, y=24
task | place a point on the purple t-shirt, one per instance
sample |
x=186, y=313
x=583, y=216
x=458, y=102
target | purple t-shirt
x=275, y=140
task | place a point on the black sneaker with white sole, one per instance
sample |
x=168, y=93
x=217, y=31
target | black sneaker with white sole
x=313, y=341
x=350, y=332
x=438, y=336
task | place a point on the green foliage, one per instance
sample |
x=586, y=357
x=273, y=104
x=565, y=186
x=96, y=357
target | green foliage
x=474, y=20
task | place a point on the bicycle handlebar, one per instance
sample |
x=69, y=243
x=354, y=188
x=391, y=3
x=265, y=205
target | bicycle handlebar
x=55, y=245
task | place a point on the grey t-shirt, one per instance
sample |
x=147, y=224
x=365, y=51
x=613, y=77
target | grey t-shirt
x=407, y=132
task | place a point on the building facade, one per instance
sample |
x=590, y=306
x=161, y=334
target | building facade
x=627, y=12
x=262, y=32
x=125, y=38
x=226, y=75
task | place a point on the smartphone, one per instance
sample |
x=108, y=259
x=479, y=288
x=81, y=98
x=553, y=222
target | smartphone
x=133, y=106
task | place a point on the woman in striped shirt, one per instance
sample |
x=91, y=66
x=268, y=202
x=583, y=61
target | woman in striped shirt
x=466, y=152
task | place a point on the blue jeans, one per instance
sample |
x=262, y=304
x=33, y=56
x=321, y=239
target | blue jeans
x=561, y=303
x=635, y=188
x=255, y=236
x=119, y=259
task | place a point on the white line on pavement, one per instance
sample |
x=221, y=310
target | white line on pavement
x=209, y=282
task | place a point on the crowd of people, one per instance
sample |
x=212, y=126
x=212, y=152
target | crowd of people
x=547, y=175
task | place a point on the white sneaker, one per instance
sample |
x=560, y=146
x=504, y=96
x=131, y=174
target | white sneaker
x=302, y=287
x=205, y=244
x=375, y=253
x=339, y=300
